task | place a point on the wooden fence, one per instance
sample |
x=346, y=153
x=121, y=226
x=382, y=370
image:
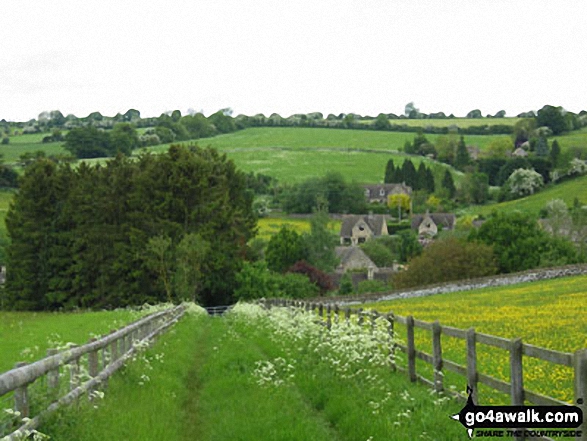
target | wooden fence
x=515, y=347
x=108, y=353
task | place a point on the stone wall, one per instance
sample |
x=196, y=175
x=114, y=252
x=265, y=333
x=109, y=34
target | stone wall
x=464, y=285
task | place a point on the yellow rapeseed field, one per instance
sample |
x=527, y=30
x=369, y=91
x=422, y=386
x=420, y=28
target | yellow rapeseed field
x=551, y=314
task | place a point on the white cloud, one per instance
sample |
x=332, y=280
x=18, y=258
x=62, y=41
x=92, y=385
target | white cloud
x=288, y=57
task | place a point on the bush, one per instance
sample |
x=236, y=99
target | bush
x=346, y=285
x=317, y=277
x=5, y=140
x=367, y=286
x=380, y=254
x=447, y=260
x=295, y=286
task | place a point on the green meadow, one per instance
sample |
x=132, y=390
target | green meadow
x=29, y=143
x=25, y=336
x=567, y=191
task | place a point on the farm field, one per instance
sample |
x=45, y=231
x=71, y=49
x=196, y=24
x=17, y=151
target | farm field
x=29, y=143
x=447, y=122
x=26, y=336
x=251, y=370
x=268, y=226
x=551, y=314
x=567, y=191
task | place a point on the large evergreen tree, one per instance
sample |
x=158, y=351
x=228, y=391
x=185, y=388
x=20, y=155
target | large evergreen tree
x=462, y=158
x=448, y=184
x=389, y=172
x=81, y=238
x=410, y=176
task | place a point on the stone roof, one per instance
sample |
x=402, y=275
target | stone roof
x=353, y=257
x=388, y=188
x=447, y=220
x=374, y=221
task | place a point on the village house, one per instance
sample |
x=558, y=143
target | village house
x=354, y=258
x=356, y=229
x=380, y=192
x=428, y=225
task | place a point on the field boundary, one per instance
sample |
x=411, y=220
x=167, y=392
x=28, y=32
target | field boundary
x=329, y=312
x=462, y=285
x=115, y=349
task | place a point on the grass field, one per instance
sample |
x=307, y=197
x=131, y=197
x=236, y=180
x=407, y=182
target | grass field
x=567, y=191
x=29, y=143
x=268, y=226
x=249, y=376
x=550, y=314
x=25, y=336
x=447, y=122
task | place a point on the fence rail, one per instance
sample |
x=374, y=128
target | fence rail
x=113, y=350
x=515, y=347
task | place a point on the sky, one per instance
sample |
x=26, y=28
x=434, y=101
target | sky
x=288, y=57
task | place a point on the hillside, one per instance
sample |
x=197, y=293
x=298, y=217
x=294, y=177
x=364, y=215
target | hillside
x=567, y=191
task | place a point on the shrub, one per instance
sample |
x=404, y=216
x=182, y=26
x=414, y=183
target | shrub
x=5, y=140
x=367, y=286
x=447, y=260
x=346, y=285
x=295, y=286
x=317, y=277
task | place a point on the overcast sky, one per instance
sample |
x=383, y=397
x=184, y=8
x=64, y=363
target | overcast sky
x=291, y=57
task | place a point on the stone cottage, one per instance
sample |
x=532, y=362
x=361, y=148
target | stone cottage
x=428, y=225
x=356, y=229
x=380, y=192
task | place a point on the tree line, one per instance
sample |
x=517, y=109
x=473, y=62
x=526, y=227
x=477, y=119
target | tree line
x=128, y=232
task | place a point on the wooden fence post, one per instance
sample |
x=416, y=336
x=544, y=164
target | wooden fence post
x=321, y=310
x=113, y=349
x=580, y=367
x=347, y=315
x=437, y=356
x=328, y=317
x=516, y=372
x=92, y=366
x=516, y=376
x=390, y=319
x=360, y=314
x=336, y=310
x=74, y=373
x=52, y=376
x=411, y=350
x=472, y=363
x=21, y=397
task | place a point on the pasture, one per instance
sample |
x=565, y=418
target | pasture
x=26, y=336
x=551, y=314
x=29, y=143
x=567, y=191
x=448, y=122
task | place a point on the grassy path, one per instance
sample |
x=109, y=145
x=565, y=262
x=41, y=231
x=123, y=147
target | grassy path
x=216, y=379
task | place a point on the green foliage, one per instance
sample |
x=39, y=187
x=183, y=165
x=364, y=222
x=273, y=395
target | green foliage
x=379, y=253
x=410, y=177
x=254, y=281
x=446, y=260
x=124, y=138
x=555, y=152
x=346, y=285
x=284, y=249
x=448, y=184
x=389, y=172
x=408, y=245
x=340, y=197
x=88, y=142
x=320, y=243
x=295, y=286
x=367, y=286
x=382, y=122
x=541, y=148
x=462, y=158
x=5, y=140
x=553, y=118
x=80, y=238
x=475, y=188
x=519, y=244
